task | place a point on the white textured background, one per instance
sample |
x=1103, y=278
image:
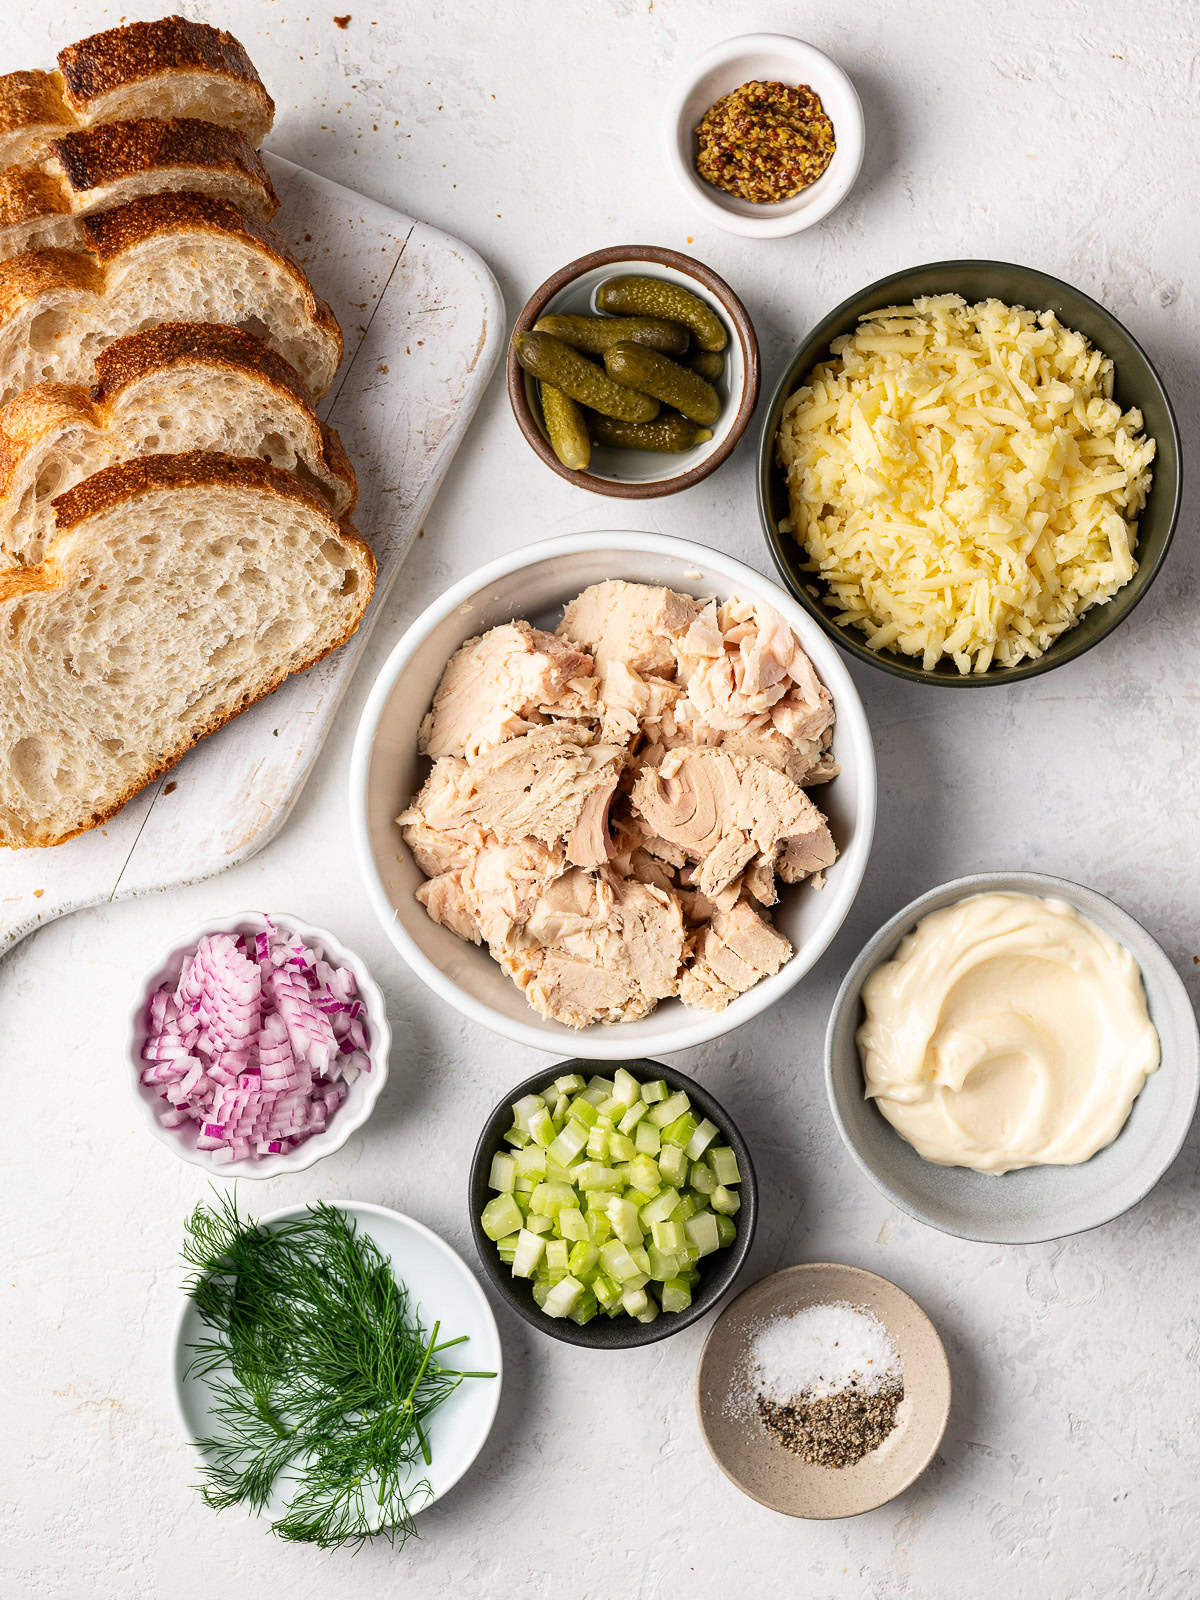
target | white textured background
x=1055, y=132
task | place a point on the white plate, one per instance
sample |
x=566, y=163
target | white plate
x=442, y=1288
x=768, y=58
x=386, y=769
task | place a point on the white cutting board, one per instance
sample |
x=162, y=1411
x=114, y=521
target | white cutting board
x=423, y=320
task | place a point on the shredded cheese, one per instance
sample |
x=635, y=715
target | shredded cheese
x=962, y=480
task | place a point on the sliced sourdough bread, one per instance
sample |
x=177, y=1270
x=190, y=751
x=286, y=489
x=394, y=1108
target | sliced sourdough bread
x=178, y=387
x=163, y=258
x=178, y=591
x=42, y=204
x=168, y=68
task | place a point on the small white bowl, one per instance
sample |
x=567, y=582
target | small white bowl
x=386, y=770
x=441, y=1286
x=349, y=1116
x=769, y=58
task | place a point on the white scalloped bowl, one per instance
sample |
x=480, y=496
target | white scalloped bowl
x=386, y=770
x=349, y=1116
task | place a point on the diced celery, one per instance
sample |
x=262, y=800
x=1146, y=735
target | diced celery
x=635, y=1301
x=624, y=1176
x=673, y=1165
x=555, y=1171
x=669, y=1235
x=503, y=1174
x=626, y=1088
x=572, y=1224
x=549, y=1198
x=530, y=1249
x=536, y=1223
x=596, y=1199
x=724, y=1164
x=639, y=1197
x=525, y=1108
x=559, y=1109
x=650, y=1312
x=655, y=1090
x=676, y=1295
x=619, y=1148
x=704, y=1135
x=681, y=1130
x=531, y=1163
x=610, y=1108
x=524, y=1186
x=632, y=1117
x=663, y=1264
x=599, y=1227
x=584, y=1309
x=606, y=1289
x=702, y=1231
x=541, y=1126
x=597, y=1144
x=647, y=1138
x=689, y=1204
x=660, y=1208
x=568, y=1143
x=702, y=1177
x=583, y=1260
x=726, y=1231
x=667, y=1110
x=593, y=1175
x=624, y=1218
x=598, y=1090
x=569, y=1083
x=517, y=1137
x=640, y=1258
x=506, y=1248
x=689, y=1255
x=540, y=1291
x=500, y=1216
x=561, y=1299
x=725, y=1200
x=690, y=1276
x=617, y=1262
x=583, y=1111
x=644, y=1174
x=557, y=1253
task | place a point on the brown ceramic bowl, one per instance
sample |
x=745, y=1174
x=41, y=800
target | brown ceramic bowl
x=642, y=474
x=773, y=1475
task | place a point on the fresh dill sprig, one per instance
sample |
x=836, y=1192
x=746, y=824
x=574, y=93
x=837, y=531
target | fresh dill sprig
x=316, y=1362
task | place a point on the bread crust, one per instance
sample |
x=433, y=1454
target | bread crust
x=37, y=272
x=93, y=157
x=197, y=468
x=138, y=50
x=33, y=100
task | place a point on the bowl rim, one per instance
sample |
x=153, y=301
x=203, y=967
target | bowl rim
x=814, y=340
x=936, y=1354
x=704, y=1026
x=1038, y=884
x=282, y=1214
x=743, y=328
x=640, y=1333
x=340, y=1126
x=768, y=223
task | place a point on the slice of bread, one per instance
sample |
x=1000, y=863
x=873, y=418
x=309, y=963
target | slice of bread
x=169, y=68
x=42, y=205
x=178, y=591
x=178, y=387
x=164, y=258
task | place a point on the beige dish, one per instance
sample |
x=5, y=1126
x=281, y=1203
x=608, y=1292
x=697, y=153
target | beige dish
x=765, y=1470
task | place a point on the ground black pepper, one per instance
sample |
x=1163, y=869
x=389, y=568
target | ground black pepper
x=833, y=1430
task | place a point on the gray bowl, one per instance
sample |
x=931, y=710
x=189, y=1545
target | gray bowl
x=1136, y=384
x=614, y=1333
x=1035, y=1203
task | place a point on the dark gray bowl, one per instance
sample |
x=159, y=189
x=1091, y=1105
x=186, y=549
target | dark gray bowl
x=1136, y=384
x=614, y=1333
x=1035, y=1203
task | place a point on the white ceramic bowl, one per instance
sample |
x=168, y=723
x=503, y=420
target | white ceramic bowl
x=766, y=57
x=386, y=770
x=349, y=1116
x=442, y=1287
x=1032, y=1204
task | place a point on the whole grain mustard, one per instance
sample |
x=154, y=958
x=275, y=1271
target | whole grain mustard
x=765, y=142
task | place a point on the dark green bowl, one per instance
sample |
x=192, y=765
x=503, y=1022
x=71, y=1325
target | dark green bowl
x=1136, y=384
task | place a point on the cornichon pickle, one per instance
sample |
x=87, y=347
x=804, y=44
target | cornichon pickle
x=598, y=334
x=668, y=434
x=665, y=379
x=556, y=363
x=710, y=364
x=655, y=297
x=566, y=427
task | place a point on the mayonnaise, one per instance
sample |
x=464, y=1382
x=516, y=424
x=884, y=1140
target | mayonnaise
x=1008, y=1031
